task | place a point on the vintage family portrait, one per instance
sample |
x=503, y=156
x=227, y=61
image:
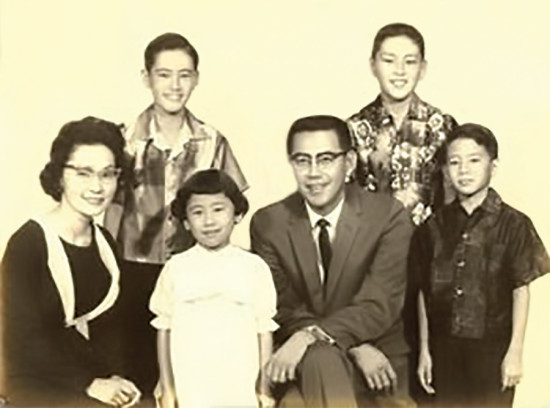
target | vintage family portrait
x=274, y=204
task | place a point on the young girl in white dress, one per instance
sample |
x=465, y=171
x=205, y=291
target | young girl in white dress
x=214, y=305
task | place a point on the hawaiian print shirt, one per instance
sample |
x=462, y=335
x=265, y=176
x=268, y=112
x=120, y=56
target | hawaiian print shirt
x=469, y=264
x=140, y=217
x=402, y=161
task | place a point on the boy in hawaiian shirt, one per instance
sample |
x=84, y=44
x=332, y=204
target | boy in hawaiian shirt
x=165, y=145
x=397, y=136
x=474, y=259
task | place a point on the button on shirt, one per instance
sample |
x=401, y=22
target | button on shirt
x=332, y=218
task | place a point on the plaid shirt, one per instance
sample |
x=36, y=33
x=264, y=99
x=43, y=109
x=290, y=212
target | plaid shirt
x=139, y=217
x=402, y=161
x=469, y=265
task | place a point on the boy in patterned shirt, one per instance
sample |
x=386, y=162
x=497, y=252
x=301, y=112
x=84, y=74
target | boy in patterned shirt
x=397, y=136
x=165, y=145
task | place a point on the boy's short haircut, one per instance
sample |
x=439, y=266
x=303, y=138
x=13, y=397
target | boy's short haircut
x=211, y=181
x=479, y=134
x=320, y=122
x=169, y=41
x=397, y=30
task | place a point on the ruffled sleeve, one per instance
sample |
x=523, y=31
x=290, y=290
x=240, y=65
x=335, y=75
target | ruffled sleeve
x=265, y=298
x=162, y=299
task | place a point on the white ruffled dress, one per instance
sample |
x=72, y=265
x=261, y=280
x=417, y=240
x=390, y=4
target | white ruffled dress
x=215, y=303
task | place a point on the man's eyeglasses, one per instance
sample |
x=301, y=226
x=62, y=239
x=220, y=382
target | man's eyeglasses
x=108, y=175
x=323, y=161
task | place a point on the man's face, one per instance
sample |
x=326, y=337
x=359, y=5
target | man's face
x=398, y=66
x=320, y=168
x=171, y=79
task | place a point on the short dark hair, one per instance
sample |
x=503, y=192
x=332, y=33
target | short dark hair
x=320, y=122
x=87, y=131
x=479, y=134
x=397, y=30
x=169, y=41
x=211, y=181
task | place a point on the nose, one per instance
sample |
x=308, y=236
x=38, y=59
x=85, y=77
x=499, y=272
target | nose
x=208, y=218
x=176, y=82
x=464, y=168
x=313, y=169
x=399, y=67
x=96, y=184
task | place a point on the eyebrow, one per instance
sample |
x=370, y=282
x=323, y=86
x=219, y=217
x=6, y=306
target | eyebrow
x=171, y=70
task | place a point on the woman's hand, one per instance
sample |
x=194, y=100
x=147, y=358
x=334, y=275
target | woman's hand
x=115, y=391
x=424, y=371
x=511, y=369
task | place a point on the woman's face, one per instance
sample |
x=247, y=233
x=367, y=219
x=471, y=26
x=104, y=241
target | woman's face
x=89, y=180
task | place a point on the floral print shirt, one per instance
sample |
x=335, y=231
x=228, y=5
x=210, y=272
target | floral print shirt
x=402, y=161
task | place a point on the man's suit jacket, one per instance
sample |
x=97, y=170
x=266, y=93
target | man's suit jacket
x=365, y=288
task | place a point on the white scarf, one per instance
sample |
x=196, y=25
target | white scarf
x=58, y=264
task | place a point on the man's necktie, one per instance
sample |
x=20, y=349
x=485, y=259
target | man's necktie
x=324, y=245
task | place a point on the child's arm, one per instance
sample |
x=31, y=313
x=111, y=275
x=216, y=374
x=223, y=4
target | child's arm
x=424, y=370
x=166, y=380
x=265, y=343
x=511, y=369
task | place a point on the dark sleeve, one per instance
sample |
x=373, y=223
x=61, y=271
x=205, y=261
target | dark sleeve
x=378, y=303
x=528, y=257
x=38, y=348
x=293, y=313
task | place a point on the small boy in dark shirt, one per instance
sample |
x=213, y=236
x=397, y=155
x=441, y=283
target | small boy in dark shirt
x=474, y=259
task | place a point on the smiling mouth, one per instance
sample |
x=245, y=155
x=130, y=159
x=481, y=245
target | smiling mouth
x=315, y=189
x=95, y=201
x=399, y=83
x=174, y=97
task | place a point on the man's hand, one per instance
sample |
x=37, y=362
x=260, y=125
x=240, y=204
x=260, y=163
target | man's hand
x=375, y=367
x=511, y=369
x=282, y=365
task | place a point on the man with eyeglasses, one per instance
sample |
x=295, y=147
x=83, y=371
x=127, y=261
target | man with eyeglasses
x=338, y=257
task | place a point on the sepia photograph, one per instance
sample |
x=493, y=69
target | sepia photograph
x=249, y=203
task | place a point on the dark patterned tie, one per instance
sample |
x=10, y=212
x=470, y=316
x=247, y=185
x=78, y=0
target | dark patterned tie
x=324, y=245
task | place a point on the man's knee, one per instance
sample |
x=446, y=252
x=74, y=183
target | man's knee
x=321, y=358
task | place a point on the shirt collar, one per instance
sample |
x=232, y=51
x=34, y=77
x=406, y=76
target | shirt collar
x=491, y=204
x=332, y=217
x=155, y=134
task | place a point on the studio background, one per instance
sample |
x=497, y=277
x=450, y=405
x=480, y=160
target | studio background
x=262, y=65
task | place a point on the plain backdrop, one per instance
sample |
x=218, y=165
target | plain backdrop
x=262, y=65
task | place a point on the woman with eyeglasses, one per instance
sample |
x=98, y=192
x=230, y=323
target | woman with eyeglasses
x=60, y=281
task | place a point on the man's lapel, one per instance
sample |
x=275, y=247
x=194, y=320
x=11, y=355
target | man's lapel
x=299, y=231
x=346, y=230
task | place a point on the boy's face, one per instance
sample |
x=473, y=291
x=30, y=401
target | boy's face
x=172, y=79
x=211, y=218
x=320, y=168
x=398, y=66
x=469, y=167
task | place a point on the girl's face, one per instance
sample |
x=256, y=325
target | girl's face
x=89, y=180
x=211, y=218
